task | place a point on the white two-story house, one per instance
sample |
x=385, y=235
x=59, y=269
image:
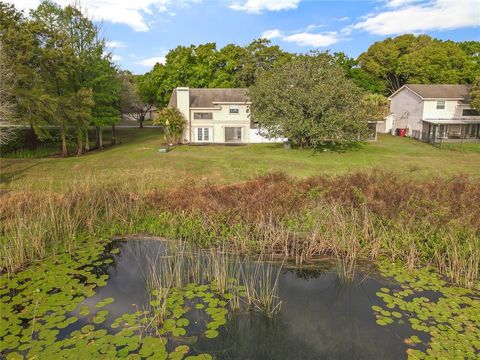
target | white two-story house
x=217, y=116
x=433, y=113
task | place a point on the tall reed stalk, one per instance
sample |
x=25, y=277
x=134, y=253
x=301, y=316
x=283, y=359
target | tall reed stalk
x=360, y=216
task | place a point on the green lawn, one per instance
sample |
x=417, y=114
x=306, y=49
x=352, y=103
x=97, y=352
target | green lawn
x=137, y=160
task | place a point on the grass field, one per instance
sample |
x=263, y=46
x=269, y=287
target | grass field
x=137, y=159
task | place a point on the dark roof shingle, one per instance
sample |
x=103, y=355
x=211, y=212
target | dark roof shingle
x=206, y=97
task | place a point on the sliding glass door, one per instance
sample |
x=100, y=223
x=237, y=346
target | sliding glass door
x=233, y=134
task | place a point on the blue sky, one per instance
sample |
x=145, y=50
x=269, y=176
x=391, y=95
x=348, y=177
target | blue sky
x=142, y=31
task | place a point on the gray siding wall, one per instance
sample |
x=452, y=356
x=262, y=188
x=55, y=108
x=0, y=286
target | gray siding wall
x=408, y=110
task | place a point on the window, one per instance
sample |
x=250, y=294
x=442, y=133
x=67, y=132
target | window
x=470, y=112
x=441, y=105
x=203, y=134
x=203, y=115
x=233, y=134
x=234, y=110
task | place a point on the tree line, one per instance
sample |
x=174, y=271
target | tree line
x=382, y=69
x=63, y=77
x=59, y=79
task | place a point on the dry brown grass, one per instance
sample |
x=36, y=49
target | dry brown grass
x=365, y=215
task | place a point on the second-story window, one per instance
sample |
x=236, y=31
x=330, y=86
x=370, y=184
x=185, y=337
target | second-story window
x=234, y=110
x=441, y=105
x=202, y=115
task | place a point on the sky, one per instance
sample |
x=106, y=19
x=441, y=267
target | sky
x=140, y=32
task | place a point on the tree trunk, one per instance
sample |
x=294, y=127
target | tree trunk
x=79, y=142
x=100, y=138
x=64, y=144
x=87, y=140
x=141, y=120
x=114, y=137
x=32, y=138
x=97, y=137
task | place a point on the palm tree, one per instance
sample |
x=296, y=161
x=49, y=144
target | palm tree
x=173, y=122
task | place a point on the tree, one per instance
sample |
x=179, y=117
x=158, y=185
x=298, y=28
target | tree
x=6, y=105
x=32, y=104
x=6, y=80
x=440, y=62
x=358, y=75
x=475, y=94
x=310, y=101
x=204, y=66
x=375, y=106
x=259, y=56
x=133, y=92
x=472, y=49
x=173, y=122
x=65, y=80
x=420, y=59
x=106, y=94
x=57, y=65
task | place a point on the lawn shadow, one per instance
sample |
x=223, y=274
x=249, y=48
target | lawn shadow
x=340, y=148
x=6, y=177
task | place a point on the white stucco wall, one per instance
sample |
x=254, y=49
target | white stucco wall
x=430, y=110
x=221, y=118
x=407, y=110
x=256, y=138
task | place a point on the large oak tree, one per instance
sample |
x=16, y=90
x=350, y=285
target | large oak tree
x=310, y=101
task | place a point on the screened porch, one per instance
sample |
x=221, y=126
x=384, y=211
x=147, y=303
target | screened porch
x=437, y=131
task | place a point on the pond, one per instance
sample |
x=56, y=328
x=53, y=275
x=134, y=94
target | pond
x=236, y=308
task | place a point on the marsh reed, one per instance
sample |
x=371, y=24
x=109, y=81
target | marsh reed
x=369, y=216
x=252, y=283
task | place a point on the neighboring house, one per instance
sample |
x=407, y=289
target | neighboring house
x=433, y=113
x=217, y=116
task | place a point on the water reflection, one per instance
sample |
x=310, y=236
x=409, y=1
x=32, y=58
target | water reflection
x=321, y=317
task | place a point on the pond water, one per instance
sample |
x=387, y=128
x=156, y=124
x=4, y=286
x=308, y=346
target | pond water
x=321, y=316
x=121, y=299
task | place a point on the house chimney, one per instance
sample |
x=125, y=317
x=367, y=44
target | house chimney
x=183, y=101
x=183, y=104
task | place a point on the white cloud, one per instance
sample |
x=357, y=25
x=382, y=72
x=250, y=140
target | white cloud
x=128, y=12
x=150, y=62
x=116, y=44
x=116, y=58
x=313, y=27
x=399, y=3
x=410, y=16
x=345, y=18
x=314, y=40
x=271, y=34
x=257, y=6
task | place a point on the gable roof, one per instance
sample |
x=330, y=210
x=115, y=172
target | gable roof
x=204, y=98
x=438, y=91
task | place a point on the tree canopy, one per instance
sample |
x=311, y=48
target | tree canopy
x=310, y=101
x=205, y=66
x=420, y=59
x=475, y=94
x=65, y=77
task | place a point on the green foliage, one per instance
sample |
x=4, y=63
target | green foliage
x=358, y=75
x=310, y=101
x=173, y=122
x=420, y=59
x=475, y=94
x=64, y=78
x=448, y=316
x=204, y=66
x=376, y=106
